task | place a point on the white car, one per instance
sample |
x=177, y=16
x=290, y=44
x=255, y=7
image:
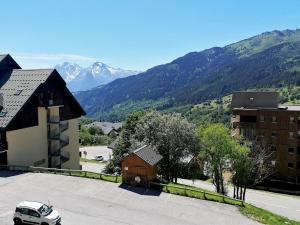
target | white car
x=36, y=213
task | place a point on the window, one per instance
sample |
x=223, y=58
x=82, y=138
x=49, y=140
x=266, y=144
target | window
x=291, y=135
x=273, y=134
x=23, y=211
x=291, y=150
x=3, y=113
x=273, y=148
x=18, y=92
x=291, y=165
x=274, y=119
x=292, y=119
x=262, y=118
x=33, y=213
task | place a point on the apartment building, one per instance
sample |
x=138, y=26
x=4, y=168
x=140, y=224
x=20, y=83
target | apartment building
x=38, y=118
x=259, y=115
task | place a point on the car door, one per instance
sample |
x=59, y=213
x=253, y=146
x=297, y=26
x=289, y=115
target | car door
x=24, y=214
x=34, y=217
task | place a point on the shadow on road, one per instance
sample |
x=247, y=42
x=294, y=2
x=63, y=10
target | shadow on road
x=5, y=173
x=140, y=190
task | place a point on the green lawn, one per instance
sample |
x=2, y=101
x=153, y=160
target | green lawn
x=258, y=214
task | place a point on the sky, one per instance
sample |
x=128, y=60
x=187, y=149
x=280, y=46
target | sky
x=132, y=34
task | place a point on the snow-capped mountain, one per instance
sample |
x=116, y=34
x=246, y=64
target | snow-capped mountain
x=81, y=79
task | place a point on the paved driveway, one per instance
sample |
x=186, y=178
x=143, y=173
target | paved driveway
x=285, y=205
x=92, y=151
x=83, y=201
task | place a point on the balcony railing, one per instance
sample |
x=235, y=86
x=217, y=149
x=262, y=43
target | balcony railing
x=64, y=141
x=3, y=146
x=64, y=125
x=65, y=156
x=53, y=119
x=56, y=162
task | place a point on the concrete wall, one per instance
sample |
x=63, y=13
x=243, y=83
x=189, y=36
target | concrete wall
x=73, y=146
x=29, y=145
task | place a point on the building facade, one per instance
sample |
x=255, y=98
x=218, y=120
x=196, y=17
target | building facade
x=139, y=167
x=258, y=115
x=38, y=118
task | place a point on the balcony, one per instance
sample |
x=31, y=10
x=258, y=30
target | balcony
x=53, y=119
x=65, y=156
x=3, y=146
x=63, y=125
x=55, y=162
x=54, y=153
x=64, y=141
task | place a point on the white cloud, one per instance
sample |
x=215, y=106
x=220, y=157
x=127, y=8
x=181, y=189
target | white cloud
x=31, y=60
x=54, y=57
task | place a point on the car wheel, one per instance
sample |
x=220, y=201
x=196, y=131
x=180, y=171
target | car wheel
x=44, y=223
x=17, y=221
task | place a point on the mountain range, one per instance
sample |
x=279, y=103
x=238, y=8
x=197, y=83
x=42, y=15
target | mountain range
x=270, y=59
x=80, y=79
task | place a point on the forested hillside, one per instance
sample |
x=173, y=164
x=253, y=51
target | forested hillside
x=269, y=60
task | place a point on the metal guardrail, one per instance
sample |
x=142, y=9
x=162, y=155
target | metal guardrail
x=69, y=172
x=113, y=178
x=206, y=195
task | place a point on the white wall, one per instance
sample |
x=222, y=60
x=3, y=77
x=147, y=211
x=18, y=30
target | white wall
x=29, y=145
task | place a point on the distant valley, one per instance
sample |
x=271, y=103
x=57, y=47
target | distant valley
x=268, y=60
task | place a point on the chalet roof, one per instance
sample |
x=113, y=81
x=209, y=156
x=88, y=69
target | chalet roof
x=106, y=127
x=259, y=99
x=17, y=86
x=17, y=90
x=148, y=154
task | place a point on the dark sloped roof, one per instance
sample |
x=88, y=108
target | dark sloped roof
x=18, y=89
x=106, y=127
x=255, y=99
x=8, y=63
x=148, y=154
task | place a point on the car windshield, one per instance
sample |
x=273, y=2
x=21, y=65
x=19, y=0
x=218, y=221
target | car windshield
x=45, y=210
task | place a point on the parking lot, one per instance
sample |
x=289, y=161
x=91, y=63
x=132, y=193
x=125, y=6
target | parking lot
x=82, y=201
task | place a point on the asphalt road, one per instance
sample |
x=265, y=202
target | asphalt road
x=83, y=201
x=282, y=204
x=93, y=151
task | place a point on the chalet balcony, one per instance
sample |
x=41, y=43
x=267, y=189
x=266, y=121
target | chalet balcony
x=63, y=125
x=65, y=156
x=64, y=141
x=54, y=153
x=3, y=146
x=53, y=119
x=56, y=162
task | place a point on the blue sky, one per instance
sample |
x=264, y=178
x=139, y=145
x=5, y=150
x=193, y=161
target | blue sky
x=132, y=34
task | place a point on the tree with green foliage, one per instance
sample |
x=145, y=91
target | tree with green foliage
x=172, y=136
x=216, y=150
x=124, y=145
x=240, y=166
x=251, y=164
x=95, y=131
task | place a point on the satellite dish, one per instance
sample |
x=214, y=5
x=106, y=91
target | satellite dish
x=137, y=179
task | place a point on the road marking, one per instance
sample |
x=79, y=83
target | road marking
x=298, y=210
x=6, y=213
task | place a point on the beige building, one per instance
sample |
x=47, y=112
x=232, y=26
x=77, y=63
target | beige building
x=38, y=118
